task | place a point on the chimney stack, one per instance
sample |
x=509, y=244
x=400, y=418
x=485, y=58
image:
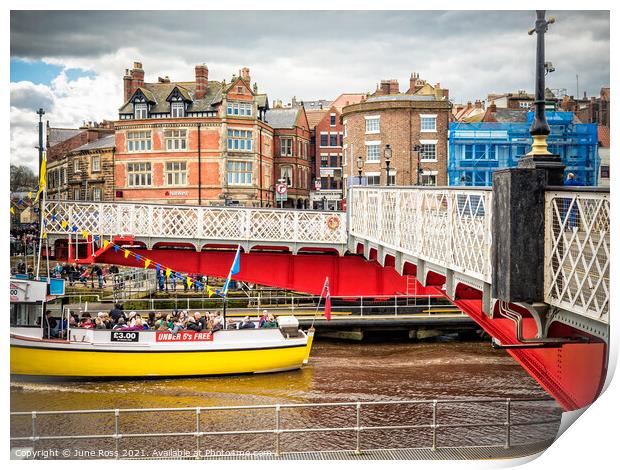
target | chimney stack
x=127, y=85
x=492, y=107
x=202, y=80
x=244, y=73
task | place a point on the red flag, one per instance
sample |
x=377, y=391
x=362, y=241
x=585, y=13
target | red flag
x=328, y=301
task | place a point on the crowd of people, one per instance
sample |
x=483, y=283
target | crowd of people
x=117, y=319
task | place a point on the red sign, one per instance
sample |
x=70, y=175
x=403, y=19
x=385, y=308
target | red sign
x=166, y=336
x=281, y=188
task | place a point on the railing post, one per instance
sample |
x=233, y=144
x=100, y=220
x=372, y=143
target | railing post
x=434, y=426
x=395, y=305
x=34, y=431
x=277, y=430
x=361, y=306
x=197, y=433
x=358, y=409
x=117, y=435
x=507, y=444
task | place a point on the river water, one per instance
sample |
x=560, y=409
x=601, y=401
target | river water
x=337, y=372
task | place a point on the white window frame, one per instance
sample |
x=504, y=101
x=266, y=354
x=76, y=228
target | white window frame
x=77, y=193
x=140, y=111
x=332, y=115
x=372, y=119
x=428, y=116
x=76, y=165
x=373, y=143
x=175, y=139
x=291, y=179
x=239, y=108
x=282, y=147
x=137, y=176
x=95, y=168
x=373, y=174
x=177, y=109
x=239, y=140
x=97, y=194
x=239, y=173
x=137, y=143
x=429, y=142
x=175, y=173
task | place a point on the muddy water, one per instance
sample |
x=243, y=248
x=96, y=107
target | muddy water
x=337, y=372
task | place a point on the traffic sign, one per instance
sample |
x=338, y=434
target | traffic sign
x=281, y=188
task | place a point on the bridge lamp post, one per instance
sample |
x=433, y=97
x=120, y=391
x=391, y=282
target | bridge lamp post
x=360, y=167
x=418, y=150
x=387, y=155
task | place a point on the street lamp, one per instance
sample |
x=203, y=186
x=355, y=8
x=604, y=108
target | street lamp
x=387, y=154
x=418, y=150
x=360, y=166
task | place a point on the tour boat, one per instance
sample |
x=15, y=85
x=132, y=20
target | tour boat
x=92, y=353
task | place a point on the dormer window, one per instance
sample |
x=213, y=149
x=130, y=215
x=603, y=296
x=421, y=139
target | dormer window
x=177, y=109
x=141, y=111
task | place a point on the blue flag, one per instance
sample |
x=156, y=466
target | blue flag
x=234, y=269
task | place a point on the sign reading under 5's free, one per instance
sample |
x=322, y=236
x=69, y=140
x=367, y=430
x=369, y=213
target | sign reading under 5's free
x=166, y=336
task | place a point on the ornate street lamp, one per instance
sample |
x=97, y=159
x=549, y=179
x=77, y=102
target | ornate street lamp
x=360, y=166
x=539, y=156
x=419, y=171
x=387, y=155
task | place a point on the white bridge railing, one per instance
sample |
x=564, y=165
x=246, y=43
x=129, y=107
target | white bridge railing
x=196, y=222
x=577, y=249
x=448, y=227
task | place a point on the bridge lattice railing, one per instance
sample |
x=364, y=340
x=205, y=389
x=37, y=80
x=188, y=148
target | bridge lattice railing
x=195, y=222
x=450, y=227
x=577, y=249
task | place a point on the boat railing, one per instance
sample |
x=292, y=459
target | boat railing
x=362, y=417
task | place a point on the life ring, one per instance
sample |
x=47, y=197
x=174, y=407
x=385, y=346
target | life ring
x=333, y=222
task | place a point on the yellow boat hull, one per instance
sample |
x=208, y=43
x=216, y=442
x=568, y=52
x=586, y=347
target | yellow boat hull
x=50, y=361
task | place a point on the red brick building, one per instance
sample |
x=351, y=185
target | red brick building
x=417, y=119
x=291, y=153
x=196, y=142
x=329, y=134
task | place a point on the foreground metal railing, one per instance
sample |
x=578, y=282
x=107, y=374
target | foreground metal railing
x=450, y=227
x=577, y=251
x=163, y=221
x=196, y=427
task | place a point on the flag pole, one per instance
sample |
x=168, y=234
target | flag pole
x=41, y=209
x=318, y=304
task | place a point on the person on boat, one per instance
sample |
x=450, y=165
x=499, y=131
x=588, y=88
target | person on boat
x=120, y=324
x=218, y=323
x=49, y=324
x=99, y=324
x=193, y=325
x=86, y=321
x=151, y=320
x=263, y=319
x=117, y=312
x=271, y=322
x=177, y=325
x=246, y=323
x=199, y=320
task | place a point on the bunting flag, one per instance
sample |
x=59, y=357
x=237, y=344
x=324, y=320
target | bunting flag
x=105, y=243
x=137, y=257
x=42, y=181
x=21, y=201
x=126, y=253
x=29, y=194
x=189, y=282
x=234, y=269
x=74, y=228
x=64, y=224
x=158, y=267
x=12, y=210
x=168, y=271
x=44, y=235
x=85, y=233
x=116, y=248
x=146, y=263
x=210, y=292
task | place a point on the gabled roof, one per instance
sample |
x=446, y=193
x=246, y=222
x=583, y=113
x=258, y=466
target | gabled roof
x=105, y=142
x=315, y=116
x=159, y=92
x=56, y=135
x=282, y=118
x=603, y=136
x=506, y=115
x=182, y=91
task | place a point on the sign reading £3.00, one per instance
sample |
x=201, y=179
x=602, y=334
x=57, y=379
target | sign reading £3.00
x=166, y=336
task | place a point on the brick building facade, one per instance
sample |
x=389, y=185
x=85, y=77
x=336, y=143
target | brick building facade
x=328, y=139
x=408, y=121
x=199, y=142
x=291, y=153
x=77, y=158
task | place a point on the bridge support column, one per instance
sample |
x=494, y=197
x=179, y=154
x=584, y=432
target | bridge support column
x=518, y=250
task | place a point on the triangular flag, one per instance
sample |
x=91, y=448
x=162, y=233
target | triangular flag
x=21, y=200
x=105, y=243
x=199, y=285
x=158, y=267
x=44, y=234
x=85, y=233
x=29, y=194
x=96, y=238
x=146, y=263
x=53, y=217
x=137, y=257
x=210, y=291
x=12, y=211
x=168, y=272
x=74, y=228
x=63, y=224
x=189, y=282
x=116, y=248
x=127, y=253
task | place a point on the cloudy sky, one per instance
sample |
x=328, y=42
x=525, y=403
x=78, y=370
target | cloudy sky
x=72, y=63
